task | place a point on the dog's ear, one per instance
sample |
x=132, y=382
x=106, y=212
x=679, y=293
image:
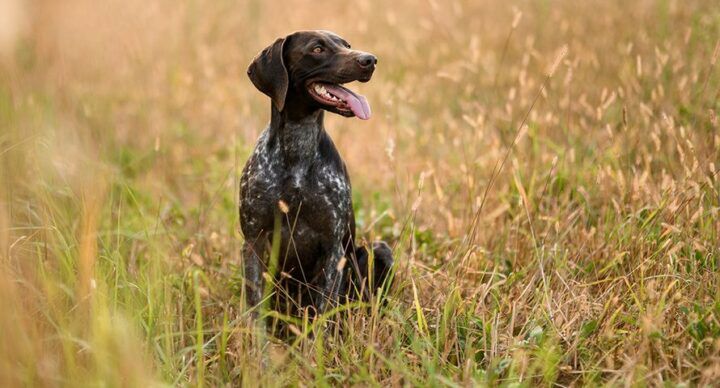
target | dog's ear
x=269, y=74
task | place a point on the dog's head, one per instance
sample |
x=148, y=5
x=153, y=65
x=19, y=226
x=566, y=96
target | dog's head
x=310, y=68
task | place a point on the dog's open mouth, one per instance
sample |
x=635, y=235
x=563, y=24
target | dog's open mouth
x=344, y=100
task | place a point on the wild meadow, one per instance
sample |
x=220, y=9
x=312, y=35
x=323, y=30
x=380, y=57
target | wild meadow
x=546, y=172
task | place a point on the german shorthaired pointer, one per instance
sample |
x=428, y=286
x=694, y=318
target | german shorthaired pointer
x=295, y=165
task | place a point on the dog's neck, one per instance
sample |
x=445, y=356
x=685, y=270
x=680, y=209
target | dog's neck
x=298, y=136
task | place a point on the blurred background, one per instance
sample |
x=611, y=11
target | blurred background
x=529, y=160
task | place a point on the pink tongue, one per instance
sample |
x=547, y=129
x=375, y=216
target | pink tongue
x=357, y=103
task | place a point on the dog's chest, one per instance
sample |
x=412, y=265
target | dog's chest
x=317, y=190
x=314, y=189
x=331, y=194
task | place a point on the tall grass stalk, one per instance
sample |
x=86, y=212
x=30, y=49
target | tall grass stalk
x=549, y=228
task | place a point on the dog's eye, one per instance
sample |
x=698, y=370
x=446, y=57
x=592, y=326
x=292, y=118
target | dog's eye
x=318, y=49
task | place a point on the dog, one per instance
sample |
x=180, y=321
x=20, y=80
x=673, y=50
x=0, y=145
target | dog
x=295, y=168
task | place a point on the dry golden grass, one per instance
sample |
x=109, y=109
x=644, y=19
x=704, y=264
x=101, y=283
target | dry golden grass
x=555, y=230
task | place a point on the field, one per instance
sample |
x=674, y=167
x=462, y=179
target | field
x=545, y=171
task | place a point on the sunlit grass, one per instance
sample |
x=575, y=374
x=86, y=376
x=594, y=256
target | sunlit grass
x=547, y=229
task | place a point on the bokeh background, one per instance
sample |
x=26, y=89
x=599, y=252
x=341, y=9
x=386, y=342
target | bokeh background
x=545, y=170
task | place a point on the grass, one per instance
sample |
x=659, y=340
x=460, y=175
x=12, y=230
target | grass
x=553, y=229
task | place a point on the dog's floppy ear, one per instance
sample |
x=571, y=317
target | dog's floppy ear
x=269, y=74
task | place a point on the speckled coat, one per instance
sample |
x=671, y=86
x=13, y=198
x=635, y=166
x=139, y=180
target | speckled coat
x=297, y=162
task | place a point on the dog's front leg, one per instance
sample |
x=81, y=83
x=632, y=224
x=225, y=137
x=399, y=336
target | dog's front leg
x=333, y=279
x=253, y=265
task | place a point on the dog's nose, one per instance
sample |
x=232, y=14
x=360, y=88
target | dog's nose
x=367, y=60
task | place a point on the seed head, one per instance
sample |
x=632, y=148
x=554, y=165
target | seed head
x=558, y=59
x=283, y=206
